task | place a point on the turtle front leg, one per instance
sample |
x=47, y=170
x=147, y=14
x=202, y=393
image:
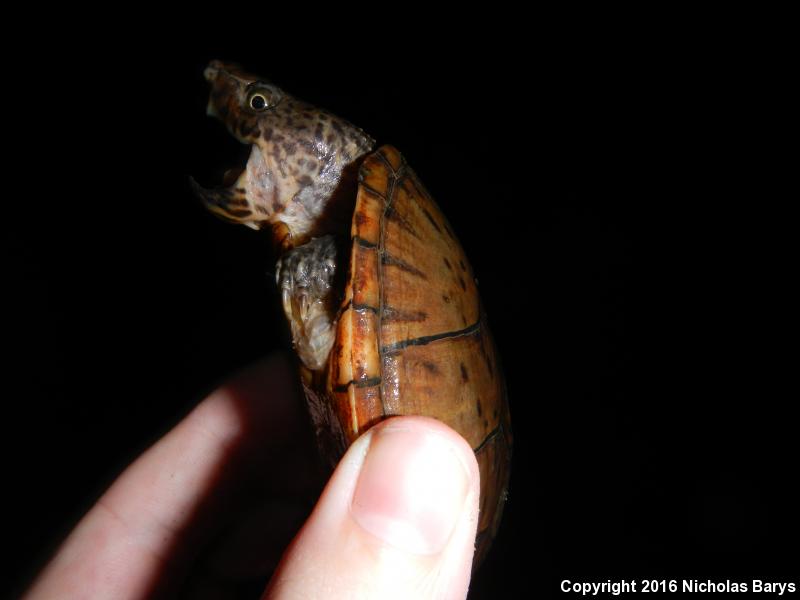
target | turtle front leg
x=305, y=277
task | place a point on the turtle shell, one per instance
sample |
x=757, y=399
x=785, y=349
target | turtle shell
x=412, y=338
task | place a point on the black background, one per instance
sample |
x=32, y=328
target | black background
x=621, y=204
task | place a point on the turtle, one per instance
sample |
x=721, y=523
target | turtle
x=382, y=303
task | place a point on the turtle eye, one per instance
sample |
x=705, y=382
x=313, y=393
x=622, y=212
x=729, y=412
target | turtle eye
x=260, y=99
x=258, y=102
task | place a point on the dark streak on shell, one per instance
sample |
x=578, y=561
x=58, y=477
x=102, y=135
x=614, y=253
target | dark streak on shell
x=430, y=367
x=390, y=260
x=392, y=314
x=430, y=218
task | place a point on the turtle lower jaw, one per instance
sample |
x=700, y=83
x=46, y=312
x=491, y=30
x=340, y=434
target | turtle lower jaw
x=230, y=200
x=226, y=202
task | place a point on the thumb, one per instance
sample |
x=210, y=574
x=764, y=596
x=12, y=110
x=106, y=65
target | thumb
x=396, y=520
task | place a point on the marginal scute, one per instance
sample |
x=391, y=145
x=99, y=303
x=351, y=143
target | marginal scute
x=341, y=360
x=391, y=156
x=365, y=357
x=366, y=219
x=372, y=177
x=369, y=409
x=493, y=464
x=364, y=286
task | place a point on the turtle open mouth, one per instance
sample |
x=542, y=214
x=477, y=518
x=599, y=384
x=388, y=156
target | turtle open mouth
x=228, y=199
x=230, y=176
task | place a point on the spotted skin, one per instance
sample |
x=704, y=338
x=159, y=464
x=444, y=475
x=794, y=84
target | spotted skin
x=302, y=163
x=410, y=333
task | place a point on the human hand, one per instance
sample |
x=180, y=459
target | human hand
x=206, y=511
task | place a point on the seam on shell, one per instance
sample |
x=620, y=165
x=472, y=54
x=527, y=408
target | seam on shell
x=393, y=178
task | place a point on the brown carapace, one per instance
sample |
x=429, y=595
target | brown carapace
x=382, y=302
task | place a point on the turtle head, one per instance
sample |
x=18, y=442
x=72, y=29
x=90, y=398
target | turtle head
x=240, y=100
x=297, y=159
